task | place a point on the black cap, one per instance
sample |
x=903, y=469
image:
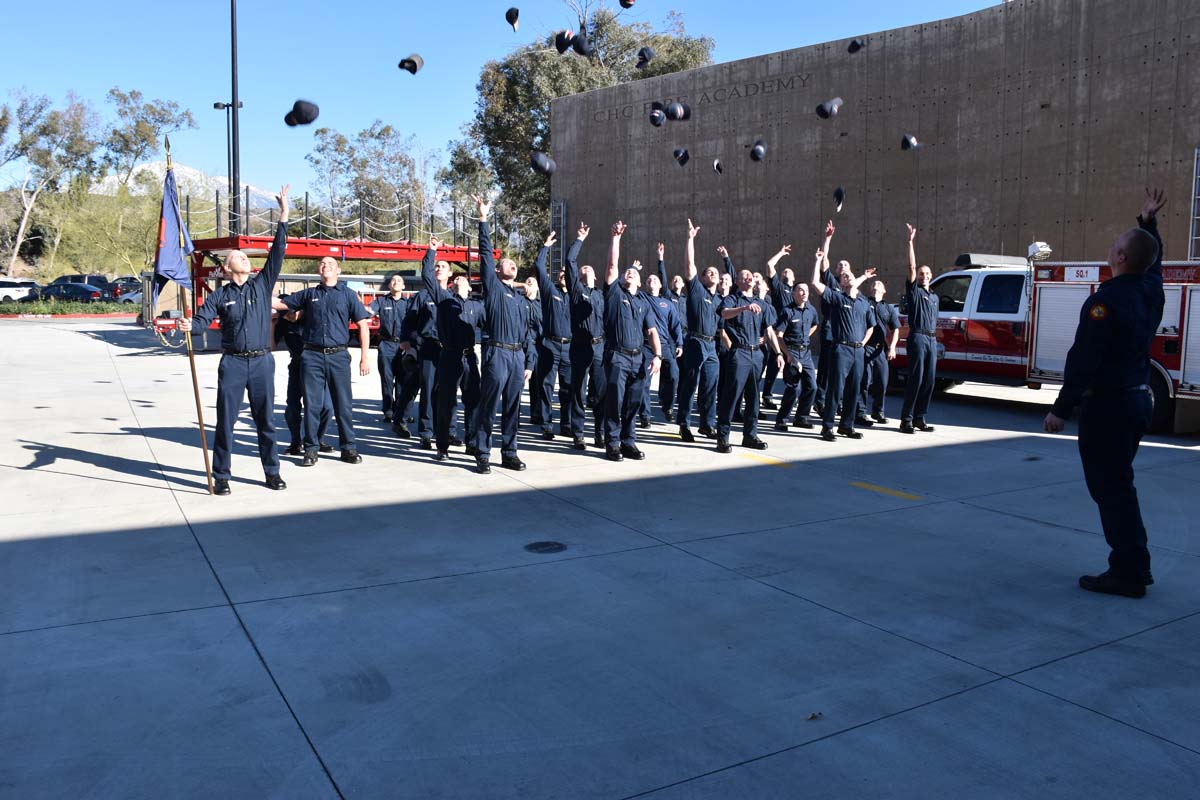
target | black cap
x=290, y=119
x=829, y=108
x=675, y=111
x=657, y=106
x=759, y=151
x=304, y=112
x=645, y=56
x=717, y=166
x=413, y=63
x=681, y=155
x=512, y=17
x=909, y=142
x=791, y=374
x=542, y=163
x=627, y=3
x=687, y=112
x=581, y=45
x=562, y=41
x=856, y=45
x=839, y=197
x=408, y=363
x=657, y=117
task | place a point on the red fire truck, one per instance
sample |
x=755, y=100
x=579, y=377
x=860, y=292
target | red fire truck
x=1003, y=321
x=207, y=274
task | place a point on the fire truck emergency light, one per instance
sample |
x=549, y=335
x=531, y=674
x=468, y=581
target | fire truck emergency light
x=1039, y=251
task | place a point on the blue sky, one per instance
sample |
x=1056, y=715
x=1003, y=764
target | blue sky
x=343, y=56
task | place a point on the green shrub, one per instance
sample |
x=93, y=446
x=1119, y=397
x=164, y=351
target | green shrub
x=61, y=307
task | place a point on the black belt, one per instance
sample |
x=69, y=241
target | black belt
x=800, y=348
x=922, y=333
x=390, y=339
x=587, y=337
x=316, y=348
x=739, y=346
x=245, y=353
x=507, y=346
x=1102, y=392
x=852, y=344
x=635, y=352
x=558, y=339
x=701, y=336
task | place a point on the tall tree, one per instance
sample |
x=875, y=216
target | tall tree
x=139, y=130
x=55, y=145
x=512, y=113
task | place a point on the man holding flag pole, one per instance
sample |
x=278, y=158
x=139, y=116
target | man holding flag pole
x=247, y=366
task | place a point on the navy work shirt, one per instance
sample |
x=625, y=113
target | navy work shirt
x=1117, y=325
x=781, y=293
x=922, y=309
x=677, y=298
x=666, y=322
x=744, y=329
x=458, y=318
x=887, y=319
x=328, y=312
x=794, y=324
x=849, y=317
x=391, y=312
x=420, y=321
x=506, y=317
x=587, y=304
x=625, y=318
x=535, y=319
x=830, y=278
x=245, y=311
x=556, y=305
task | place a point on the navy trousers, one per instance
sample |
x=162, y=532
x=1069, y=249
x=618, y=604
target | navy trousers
x=587, y=385
x=874, y=385
x=841, y=392
x=700, y=372
x=668, y=383
x=456, y=371
x=421, y=388
x=743, y=378
x=553, y=361
x=294, y=413
x=922, y=373
x=502, y=377
x=805, y=389
x=823, y=357
x=1110, y=429
x=772, y=372
x=624, y=377
x=238, y=376
x=391, y=376
x=327, y=378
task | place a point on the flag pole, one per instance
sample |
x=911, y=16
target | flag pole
x=187, y=310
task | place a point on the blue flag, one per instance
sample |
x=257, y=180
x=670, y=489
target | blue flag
x=174, y=244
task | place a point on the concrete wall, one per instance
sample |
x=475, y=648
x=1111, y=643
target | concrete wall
x=1041, y=119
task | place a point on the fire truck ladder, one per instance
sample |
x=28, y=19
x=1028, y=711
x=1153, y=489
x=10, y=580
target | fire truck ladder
x=1194, y=239
x=558, y=224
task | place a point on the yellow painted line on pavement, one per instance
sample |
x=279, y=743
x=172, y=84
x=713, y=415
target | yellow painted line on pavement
x=870, y=487
x=773, y=462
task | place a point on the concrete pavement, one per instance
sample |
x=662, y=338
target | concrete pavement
x=858, y=619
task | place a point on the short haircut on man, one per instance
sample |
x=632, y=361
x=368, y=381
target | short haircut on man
x=1141, y=249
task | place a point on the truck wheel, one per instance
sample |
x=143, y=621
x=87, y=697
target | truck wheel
x=1162, y=419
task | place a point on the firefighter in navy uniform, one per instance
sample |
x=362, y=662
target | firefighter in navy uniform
x=921, y=347
x=780, y=287
x=628, y=324
x=796, y=325
x=458, y=320
x=554, y=348
x=880, y=352
x=288, y=331
x=670, y=336
x=1106, y=375
x=419, y=336
x=507, y=355
x=391, y=309
x=247, y=366
x=587, y=345
x=851, y=321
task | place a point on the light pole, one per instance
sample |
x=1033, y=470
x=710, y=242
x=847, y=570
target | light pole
x=227, y=107
x=236, y=204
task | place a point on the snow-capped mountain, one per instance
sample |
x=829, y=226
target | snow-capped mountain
x=190, y=182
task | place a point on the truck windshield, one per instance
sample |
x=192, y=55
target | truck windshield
x=952, y=292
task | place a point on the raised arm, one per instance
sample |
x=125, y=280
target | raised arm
x=487, y=259
x=817, y=284
x=543, y=277
x=270, y=271
x=829, y=231
x=786, y=250
x=1148, y=221
x=614, y=254
x=912, y=254
x=675, y=325
x=572, y=265
x=867, y=275
x=690, y=270
x=724, y=253
x=427, y=269
x=662, y=270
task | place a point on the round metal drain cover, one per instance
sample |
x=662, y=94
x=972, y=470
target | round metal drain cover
x=545, y=547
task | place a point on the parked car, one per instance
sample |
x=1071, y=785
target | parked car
x=17, y=288
x=131, y=298
x=94, y=279
x=124, y=285
x=71, y=292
